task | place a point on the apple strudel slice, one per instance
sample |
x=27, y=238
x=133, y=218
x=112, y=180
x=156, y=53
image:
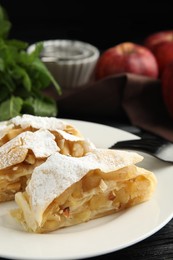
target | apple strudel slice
x=67, y=137
x=19, y=157
x=65, y=190
x=26, y=141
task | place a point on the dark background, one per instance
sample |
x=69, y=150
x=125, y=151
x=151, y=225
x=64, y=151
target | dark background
x=103, y=23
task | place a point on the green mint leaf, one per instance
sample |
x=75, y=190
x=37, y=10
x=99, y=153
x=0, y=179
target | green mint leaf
x=10, y=108
x=5, y=24
x=22, y=75
x=40, y=80
x=19, y=45
x=2, y=65
x=7, y=82
x=40, y=106
x=39, y=65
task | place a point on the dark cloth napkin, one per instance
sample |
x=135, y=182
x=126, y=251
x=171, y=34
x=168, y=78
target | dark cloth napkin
x=120, y=98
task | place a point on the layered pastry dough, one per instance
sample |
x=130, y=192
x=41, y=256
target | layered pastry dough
x=65, y=190
x=26, y=142
x=18, y=158
x=68, y=138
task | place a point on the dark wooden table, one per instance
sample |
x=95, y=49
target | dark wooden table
x=156, y=247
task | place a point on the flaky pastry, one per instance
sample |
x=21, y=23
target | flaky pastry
x=65, y=191
x=26, y=141
x=68, y=138
x=18, y=158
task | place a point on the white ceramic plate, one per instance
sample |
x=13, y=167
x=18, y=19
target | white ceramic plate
x=99, y=236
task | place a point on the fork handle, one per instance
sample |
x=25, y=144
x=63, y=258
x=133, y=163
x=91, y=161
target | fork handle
x=145, y=145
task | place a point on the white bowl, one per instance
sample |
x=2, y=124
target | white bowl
x=71, y=62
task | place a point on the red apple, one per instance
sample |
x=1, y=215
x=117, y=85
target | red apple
x=127, y=57
x=161, y=44
x=152, y=40
x=167, y=87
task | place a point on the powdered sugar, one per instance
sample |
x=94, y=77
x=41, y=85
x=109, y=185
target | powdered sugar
x=59, y=172
x=40, y=142
x=37, y=122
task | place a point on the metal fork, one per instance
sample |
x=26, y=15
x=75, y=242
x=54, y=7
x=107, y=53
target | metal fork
x=151, y=144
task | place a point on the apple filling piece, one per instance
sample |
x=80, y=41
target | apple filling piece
x=65, y=191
